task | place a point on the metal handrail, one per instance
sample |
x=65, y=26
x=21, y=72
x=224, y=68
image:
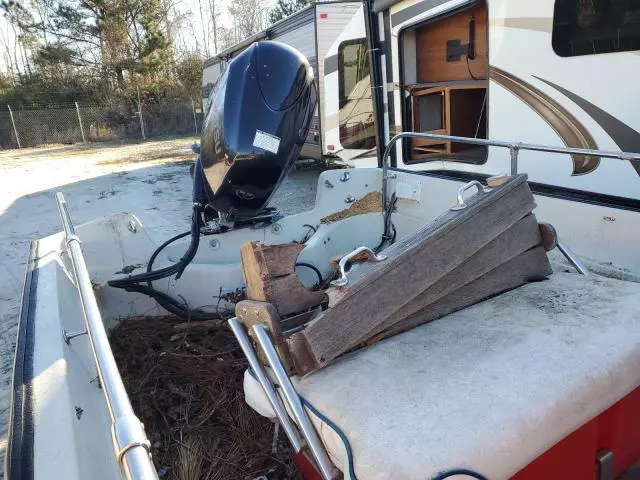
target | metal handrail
x=132, y=447
x=514, y=149
x=290, y=401
x=265, y=383
x=320, y=455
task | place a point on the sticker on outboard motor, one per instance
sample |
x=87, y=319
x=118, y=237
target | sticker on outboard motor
x=266, y=141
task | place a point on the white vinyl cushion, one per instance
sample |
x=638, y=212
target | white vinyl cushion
x=489, y=388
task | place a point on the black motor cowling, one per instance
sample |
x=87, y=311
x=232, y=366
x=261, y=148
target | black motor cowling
x=255, y=126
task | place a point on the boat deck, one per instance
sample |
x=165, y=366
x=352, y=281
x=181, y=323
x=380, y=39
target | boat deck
x=482, y=388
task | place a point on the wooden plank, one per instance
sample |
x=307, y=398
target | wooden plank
x=280, y=260
x=532, y=265
x=521, y=237
x=519, y=204
x=290, y=296
x=255, y=271
x=414, y=263
x=269, y=272
x=267, y=261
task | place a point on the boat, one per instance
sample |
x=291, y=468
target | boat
x=413, y=324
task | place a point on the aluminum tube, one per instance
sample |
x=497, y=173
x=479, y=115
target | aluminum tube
x=267, y=386
x=573, y=258
x=518, y=145
x=136, y=465
x=127, y=429
x=327, y=470
x=513, y=146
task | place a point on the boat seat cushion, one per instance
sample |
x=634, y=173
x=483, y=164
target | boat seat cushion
x=489, y=388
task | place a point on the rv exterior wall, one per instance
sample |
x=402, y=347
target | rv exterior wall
x=538, y=96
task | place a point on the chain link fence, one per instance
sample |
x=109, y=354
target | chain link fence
x=37, y=125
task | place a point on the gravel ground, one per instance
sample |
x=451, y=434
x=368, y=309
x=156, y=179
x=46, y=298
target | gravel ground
x=149, y=179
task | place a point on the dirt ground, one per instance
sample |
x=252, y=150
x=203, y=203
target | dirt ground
x=149, y=179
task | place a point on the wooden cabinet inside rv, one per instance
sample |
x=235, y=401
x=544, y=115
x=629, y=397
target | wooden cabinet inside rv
x=445, y=76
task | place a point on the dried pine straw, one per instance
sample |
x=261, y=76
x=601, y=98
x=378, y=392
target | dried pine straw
x=371, y=202
x=186, y=387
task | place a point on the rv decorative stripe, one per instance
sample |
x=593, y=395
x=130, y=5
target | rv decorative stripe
x=625, y=137
x=563, y=122
x=413, y=11
x=330, y=64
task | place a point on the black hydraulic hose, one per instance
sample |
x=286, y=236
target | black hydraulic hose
x=312, y=267
x=199, y=201
x=172, y=305
x=193, y=245
x=176, y=268
x=164, y=300
x=389, y=233
x=163, y=246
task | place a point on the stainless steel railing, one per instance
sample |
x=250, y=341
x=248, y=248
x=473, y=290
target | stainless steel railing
x=132, y=447
x=290, y=402
x=514, y=150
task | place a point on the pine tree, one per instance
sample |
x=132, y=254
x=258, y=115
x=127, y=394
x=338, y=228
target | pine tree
x=284, y=8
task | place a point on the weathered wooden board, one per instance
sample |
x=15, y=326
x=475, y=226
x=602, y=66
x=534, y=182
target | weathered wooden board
x=261, y=262
x=269, y=271
x=532, y=265
x=376, y=291
x=521, y=237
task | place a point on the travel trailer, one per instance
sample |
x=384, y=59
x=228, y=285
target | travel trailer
x=466, y=308
x=332, y=36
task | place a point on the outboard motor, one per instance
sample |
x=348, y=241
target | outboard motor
x=255, y=126
x=256, y=123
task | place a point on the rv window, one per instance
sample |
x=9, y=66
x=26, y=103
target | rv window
x=357, y=129
x=591, y=27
